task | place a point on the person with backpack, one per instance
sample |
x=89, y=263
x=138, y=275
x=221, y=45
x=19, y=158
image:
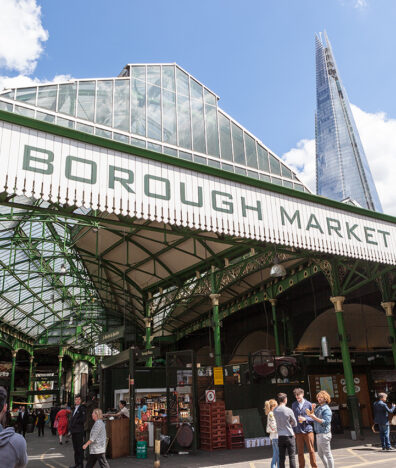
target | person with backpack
x=12, y=446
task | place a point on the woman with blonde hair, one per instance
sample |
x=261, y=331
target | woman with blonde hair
x=270, y=405
x=322, y=415
x=97, y=441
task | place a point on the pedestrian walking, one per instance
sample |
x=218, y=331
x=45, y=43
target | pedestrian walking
x=61, y=423
x=381, y=417
x=90, y=405
x=97, y=441
x=22, y=420
x=40, y=422
x=304, y=429
x=53, y=413
x=321, y=416
x=285, y=421
x=12, y=446
x=76, y=429
x=269, y=407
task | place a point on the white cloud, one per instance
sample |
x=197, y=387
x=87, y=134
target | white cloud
x=360, y=4
x=378, y=135
x=21, y=35
x=7, y=82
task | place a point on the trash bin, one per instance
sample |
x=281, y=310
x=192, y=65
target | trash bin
x=141, y=449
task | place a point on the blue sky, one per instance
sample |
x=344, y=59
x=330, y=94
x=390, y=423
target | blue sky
x=257, y=55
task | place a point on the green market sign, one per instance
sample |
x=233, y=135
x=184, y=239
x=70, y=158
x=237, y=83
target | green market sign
x=59, y=169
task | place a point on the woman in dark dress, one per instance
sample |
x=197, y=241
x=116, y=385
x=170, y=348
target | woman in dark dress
x=40, y=422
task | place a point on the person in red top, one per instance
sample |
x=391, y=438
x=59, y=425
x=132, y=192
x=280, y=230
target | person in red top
x=62, y=422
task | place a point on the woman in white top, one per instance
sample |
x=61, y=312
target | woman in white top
x=270, y=405
x=97, y=441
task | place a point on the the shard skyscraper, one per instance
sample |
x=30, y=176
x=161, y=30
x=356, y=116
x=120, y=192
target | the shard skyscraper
x=342, y=170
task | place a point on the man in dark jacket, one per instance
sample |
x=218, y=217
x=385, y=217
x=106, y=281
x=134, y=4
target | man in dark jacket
x=53, y=413
x=12, y=446
x=22, y=420
x=381, y=417
x=76, y=428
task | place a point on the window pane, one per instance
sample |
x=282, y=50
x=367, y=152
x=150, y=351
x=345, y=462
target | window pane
x=239, y=170
x=274, y=164
x=9, y=94
x=138, y=107
x=121, y=105
x=86, y=100
x=237, y=141
x=286, y=172
x=299, y=187
x=276, y=180
x=198, y=125
x=168, y=77
x=286, y=183
x=6, y=106
x=47, y=97
x=104, y=103
x=24, y=111
x=196, y=90
x=225, y=138
x=120, y=137
x=65, y=122
x=67, y=99
x=169, y=117
x=212, y=136
x=200, y=160
x=262, y=154
x=154, y=75
x=209, y=97
x=227, y=167
x=182, y=82
x=183, y=155
x=27, y=95
x=84, y=128
x=103, y=133
x=138, y=142
x=154, y=129
x=183, y=121
x=154, y=147
x=45, y=117
x=250, y=146
x=253, y=174
x=265, y=178
x=139, y=72
x=213, y=163
x=170, y=151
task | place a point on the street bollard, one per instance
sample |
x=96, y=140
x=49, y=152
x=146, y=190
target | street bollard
x=157, y=447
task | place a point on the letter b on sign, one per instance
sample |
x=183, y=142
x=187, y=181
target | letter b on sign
x=38, y=160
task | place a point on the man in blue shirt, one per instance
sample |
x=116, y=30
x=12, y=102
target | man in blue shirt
x=381, y=417
x=304, y=429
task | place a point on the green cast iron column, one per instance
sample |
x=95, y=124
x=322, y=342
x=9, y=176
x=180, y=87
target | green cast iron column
x=31, y=359
x=216, y=328
x=275, y=322
x=352, y=400
x=72, y=384
x=147, y=320
x=12, y=383
x=388, y=307
x=60, y=357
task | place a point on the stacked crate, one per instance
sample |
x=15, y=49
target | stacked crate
x=212, y=425
x=235, y=437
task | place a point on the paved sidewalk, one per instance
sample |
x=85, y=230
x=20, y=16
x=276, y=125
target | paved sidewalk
x=46, y=452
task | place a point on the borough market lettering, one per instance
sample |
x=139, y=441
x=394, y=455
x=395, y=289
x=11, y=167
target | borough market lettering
x=42, y=161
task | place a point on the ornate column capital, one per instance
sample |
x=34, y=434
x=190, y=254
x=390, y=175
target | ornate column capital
x=147, y=321
x=31, y=359
x=388, y=308
x=60, y=357
x=215, y=299
x=14, y=353
x=337, y=301
x=273, y=302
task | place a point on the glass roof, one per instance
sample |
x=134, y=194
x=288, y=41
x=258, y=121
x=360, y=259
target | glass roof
x=159, y=107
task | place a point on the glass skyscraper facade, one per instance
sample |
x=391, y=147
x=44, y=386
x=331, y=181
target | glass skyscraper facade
x=342, y=170
x=159, y=107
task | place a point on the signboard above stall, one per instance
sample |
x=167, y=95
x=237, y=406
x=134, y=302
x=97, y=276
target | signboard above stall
x=112, y=335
